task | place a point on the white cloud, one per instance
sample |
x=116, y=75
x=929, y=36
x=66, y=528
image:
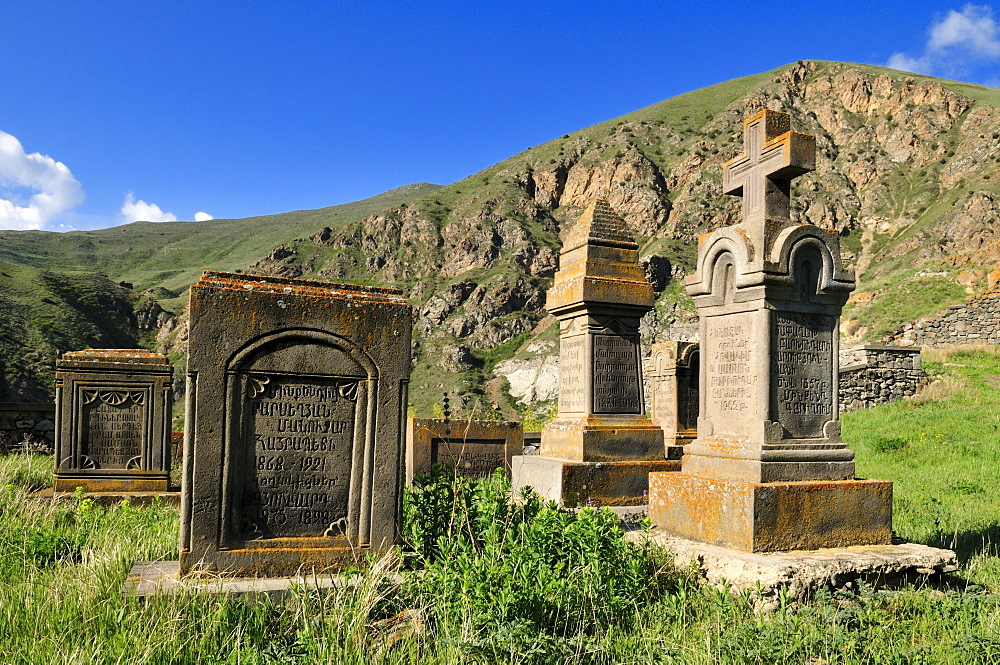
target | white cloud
x=972, y=30
x=908, y=64
x=955, y=41
x=140, y=211
x=202, y=217
x=34, y=188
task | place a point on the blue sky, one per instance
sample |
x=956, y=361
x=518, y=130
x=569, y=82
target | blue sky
x=116, y=111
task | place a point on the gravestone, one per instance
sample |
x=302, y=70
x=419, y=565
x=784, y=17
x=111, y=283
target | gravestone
x=769, y=470
x=296, y=400
x=600, y=446
x=673, y=381
x=473, y=448
x=113, y=421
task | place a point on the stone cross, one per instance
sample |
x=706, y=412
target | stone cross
x=772, y=156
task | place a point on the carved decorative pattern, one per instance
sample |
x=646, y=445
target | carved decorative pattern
x=337, y=528
x=349, y=390
x=114, y=397
x=134, y=463
x=257, y=384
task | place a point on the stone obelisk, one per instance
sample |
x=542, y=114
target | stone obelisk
x=600, y=446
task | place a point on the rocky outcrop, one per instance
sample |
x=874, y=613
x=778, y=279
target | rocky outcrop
x=904, y=168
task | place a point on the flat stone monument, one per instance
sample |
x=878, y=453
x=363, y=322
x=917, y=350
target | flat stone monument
x=673, y=382
x=472, y=448
x=769, y=470
x=296, y=402
x=113, y=411
x=600, y=446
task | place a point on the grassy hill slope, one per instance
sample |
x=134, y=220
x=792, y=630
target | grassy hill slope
x=171, y=255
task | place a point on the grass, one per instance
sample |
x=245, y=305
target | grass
x=939, y=450
x=490, y=582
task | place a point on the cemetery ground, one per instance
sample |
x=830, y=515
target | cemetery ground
x=484, y=581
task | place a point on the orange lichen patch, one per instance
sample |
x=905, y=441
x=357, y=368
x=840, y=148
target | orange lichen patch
x=117, y=356
x=282, y=559
x=769, y=517
x=861, y=298
x=298, y=287
x=126, y=480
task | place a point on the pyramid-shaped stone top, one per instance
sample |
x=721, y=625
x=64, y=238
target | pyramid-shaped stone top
x=600, y=225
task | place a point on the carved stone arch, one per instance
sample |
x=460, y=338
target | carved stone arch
x=316, y=391
x=688, y=355
x=354, y=351
x=739, y=253
x=797, y=238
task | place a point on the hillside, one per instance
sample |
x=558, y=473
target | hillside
x=171, y=255
x=43, y=313
x=907, y=166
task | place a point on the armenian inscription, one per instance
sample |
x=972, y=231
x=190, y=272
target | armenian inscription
x=114, y=423
x=616, y=375
x=801, y=363
x=473, y=458
x=301, y=433
x=731, y=376
x=571, y=373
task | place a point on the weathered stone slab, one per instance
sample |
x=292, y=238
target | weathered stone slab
x=162, y=578
x=294, y=445
x=472, y=448
x=774, y=516
x=673, y=379
x=113, y=421
x=797, y=574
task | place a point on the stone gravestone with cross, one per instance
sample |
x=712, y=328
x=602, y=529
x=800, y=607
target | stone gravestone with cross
x=296, y=407
x=113, y=422
x=600, y=446
x=769, y=470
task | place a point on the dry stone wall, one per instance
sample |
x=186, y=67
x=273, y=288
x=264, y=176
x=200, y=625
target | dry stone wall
x=977, y=320
x=27, y=425
x=875, y=374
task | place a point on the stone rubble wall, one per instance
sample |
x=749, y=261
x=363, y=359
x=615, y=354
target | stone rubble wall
x=874, y=374
x=31, y=422
x=977, y=320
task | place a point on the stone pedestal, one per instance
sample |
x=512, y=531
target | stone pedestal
x=673, y=380
x=772, y=517
x=769, y=470
x=113, y=421
x=599, y=294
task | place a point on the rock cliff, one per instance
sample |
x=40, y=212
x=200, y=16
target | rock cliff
x=907, y=169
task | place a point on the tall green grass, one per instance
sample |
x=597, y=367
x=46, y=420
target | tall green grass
x=482, y=580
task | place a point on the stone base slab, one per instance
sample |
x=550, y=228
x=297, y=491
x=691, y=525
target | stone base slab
x=139, y=482
x=149, y=578
x=172, y=498
x=279, y=557
x=602, y=438
x=581, y=483
x=772, y=517
x=801, y=572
